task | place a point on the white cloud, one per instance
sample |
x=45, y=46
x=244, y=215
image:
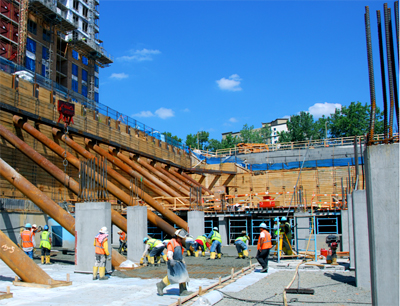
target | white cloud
x=139, y=55
x=319, y=109
x=119, y=76
x=164, y=113
x=232, y=83
x=144, y=114
x=233, y=119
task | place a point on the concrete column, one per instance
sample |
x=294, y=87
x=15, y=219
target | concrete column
x=351, y=232
x=115, y=236
x=303, y=231
x=223, y=229
x=90, y=217
x=196, y=223
x=382, y=186
x=344, y=217
x=137, y=230
x=361, y=245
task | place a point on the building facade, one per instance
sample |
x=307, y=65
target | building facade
x=57, y=41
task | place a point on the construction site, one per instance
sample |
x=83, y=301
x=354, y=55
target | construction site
x=70, y=163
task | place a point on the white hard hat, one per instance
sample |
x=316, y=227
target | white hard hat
x=34, y=225
x=120, y=232
x=263, y=225
x=215, y=229
x=103, y=230
x=181, y=233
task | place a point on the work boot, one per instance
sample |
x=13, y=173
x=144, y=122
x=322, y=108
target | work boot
x=245, y=254
x=265, y=270
x=212, y=255
x=158, y=260
x=334, y=261
x=219, y=255
x=203, y=254
x=95, y=272
x=42, y=260
x=48, y=260
x=183, y=290
x=196, y=254
x=240, y=256
x=165, y=258
x=102, y=273
x=188, y=252
x=151, y=261
x=160, y=288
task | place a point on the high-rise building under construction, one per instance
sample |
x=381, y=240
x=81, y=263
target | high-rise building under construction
x=58, y=41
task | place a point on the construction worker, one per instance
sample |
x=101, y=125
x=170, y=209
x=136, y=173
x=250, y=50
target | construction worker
x=264, y=245
x=241, y=245
x=27, y=241
x=286, y=236
x=201, y=244
x=101, y=249
x=122, y=241
x=45, y=244
x=216, y=241
x=177, y=272
x=189, y=246
x=154, y=248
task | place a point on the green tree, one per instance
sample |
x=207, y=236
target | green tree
x=265, y=133
x=214, y=145
x=198, y=141
x=249, y=135
x=321, y=128
x=229, y=141
x=169, y=135
x=284, y=136
x=300, y=128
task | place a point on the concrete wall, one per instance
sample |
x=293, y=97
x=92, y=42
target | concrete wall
x=196, y=223
x=361, y=244
x=382, y=182
x=90, y=217
x=223, y=229
x=137, y=230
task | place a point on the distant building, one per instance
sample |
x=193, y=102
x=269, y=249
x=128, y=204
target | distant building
x=277, y=125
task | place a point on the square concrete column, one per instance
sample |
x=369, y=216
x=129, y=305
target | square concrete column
x=223, y=229
x=137, y=230
x=303, y=231
x=351, y=232
x=382, y=181
x=90, y=217
x=344, y=220
x=361, y=244
x=115, y=236
x=196, y=223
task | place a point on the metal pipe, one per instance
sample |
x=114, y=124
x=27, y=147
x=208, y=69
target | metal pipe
x=383, y=77
x=161, y=175
x=172, y=177
x=153, y=203
x=20, y=263
x=117, y=192
x=196, y=183
x=148, y=175
x=184, y=179
x=371, y=74
x=390, y=72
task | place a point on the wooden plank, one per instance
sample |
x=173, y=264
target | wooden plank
x=54, y=284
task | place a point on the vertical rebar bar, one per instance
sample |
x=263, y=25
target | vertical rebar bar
x=356, y=158
x=383, y=77
x=389, y=64
x=371, y=73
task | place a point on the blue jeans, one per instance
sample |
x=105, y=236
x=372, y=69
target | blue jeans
x=216, y=245
x=30, y=254
x=240, y=246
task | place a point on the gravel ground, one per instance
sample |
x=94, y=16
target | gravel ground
x=331, y=288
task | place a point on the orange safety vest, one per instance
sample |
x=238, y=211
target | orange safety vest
x=100, y=247
x=172, y=244
x=122, y=236
x=264, y=243
x=26, y=237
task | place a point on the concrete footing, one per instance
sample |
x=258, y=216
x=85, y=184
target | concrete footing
x=90, y=217
x=361, y=245
x=137, y=230
x=382, y=182
x=196, y=223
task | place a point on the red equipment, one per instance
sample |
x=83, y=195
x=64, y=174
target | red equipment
x=67, y=111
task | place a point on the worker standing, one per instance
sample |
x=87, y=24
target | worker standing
x=286, y=236
x=241, y=245
x=27, y=241
x=201, y=244
x=101, y=249
x=177, y=272
x=264, y=245
x=216, y=241
x=154, y=248
x=45, y=244
x=122, y=241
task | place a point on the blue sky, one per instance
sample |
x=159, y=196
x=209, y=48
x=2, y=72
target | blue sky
x=187, y=66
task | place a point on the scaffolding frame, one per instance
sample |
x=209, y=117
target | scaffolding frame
x=312, y=231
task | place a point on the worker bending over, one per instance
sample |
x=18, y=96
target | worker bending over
x=122, y=241
x=216, y=241
x=201, y=244
x=45, y=244
x=154, y=248
x=241, y=245
x=264, y=245
x=189, y=246
x=101, y=250
x=177, y=272
x=27, y=240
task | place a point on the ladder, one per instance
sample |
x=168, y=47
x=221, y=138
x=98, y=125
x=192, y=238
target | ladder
x=22, y=30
